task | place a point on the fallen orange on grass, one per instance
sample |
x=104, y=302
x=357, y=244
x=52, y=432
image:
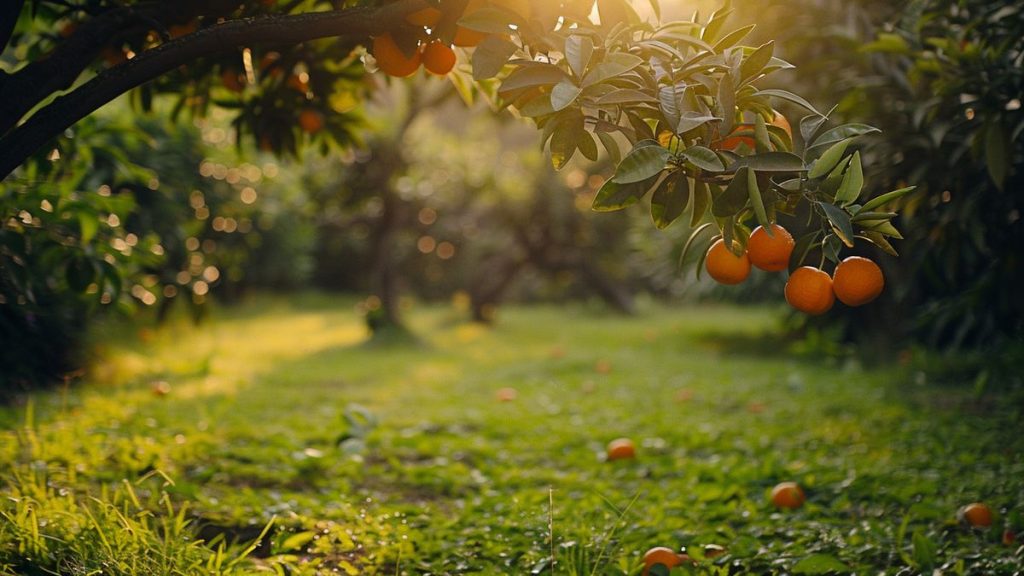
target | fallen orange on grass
x=788, y=495
x=976, y=514
x=621, y=449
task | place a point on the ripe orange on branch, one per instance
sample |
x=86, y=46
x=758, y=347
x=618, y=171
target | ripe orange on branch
x=390, y=58
x=311, y=121
x=857, y=281
x=809, y=290
x=770, y=253
x=724, y=266
x=438, y=58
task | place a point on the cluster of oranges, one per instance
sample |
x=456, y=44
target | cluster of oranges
x=855, y=282
x=435, y=55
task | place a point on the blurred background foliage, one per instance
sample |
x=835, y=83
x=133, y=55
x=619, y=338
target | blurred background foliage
x=156, y=202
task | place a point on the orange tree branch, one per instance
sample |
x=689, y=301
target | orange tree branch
x=24, y=89
x=50, y=121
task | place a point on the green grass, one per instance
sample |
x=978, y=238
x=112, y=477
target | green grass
x=366, y=459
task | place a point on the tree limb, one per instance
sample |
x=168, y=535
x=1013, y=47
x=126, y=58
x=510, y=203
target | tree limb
x=24, y=89
x=9, y=11
x=356, y=23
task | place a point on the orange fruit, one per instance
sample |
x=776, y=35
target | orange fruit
x=788, y=495
x=390, y=58
x=161, y=388
x=311, y=121
x=732, y=141
x=426, y=17
x=724, y=266
x=467, y=38
x=661, y=555
x=438, y=58
x=232, y=80
x=506, y=394
x=299, y=82
x=976, y=514
x=780, y=121
x=857, y=281
x=621, y=449
x=809, y=290
x=770, y=253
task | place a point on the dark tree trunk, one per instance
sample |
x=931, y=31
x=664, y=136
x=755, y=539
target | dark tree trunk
x=384, y=277
x=491, y=287
x=613, y=293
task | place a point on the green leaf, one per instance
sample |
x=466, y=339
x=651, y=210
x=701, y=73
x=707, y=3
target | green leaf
x=880, y=241
x=715, y=23
x=704, y=158
x=690, y=120
x=539, y=106
x=626, y=96
x=727, y=100
x=801, y=249
x=853, y=182
x=564, y=94
x=587, y=146
x=735, y=196
x=614, y=196
x=770, y=162
x=809, y=125
x=578, y=50
x=89, y=224
x=298, y=540
x=835, y=178
x=756, y=201
x=701, y=200
x=884, y=199
x=761, y=140
x=828, y=160
x=820, y=564
x=840, y=222
x=640, y=164
x=925, y=551
x=610, y=146
x=614, y=65
x=789, y=96
x=491, y=56
x=670, y=199
x=488, y=19
x=842, y=133
x=563, y=145
x=997, y=157
x=691, y=240
x=733, y=38
x=755, y=63
x=887, y=42
x=530, y=75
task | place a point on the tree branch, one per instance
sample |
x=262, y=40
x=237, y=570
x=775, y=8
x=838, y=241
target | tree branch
x=8, y=19
x=356, y=23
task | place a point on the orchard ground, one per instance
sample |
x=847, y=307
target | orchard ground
x=402, y=459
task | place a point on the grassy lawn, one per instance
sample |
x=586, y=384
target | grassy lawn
x=368, y=459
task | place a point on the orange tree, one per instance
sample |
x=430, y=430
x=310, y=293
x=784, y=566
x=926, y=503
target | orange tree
x=677, y=105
